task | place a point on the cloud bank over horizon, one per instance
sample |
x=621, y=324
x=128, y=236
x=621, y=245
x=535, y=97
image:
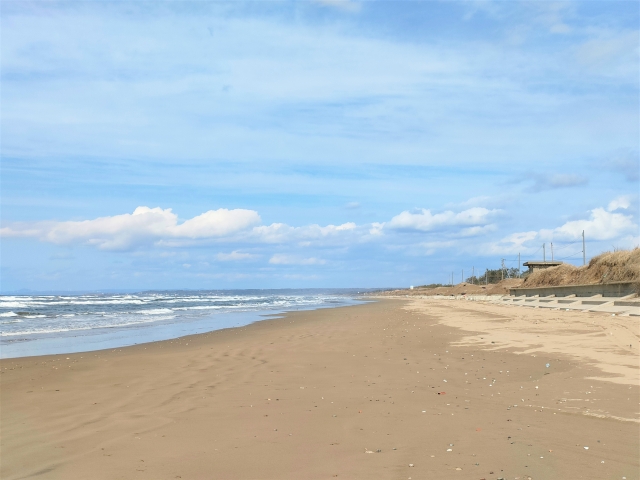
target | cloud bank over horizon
x=160, y=229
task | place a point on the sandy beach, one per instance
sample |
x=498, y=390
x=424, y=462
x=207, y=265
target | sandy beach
x=393, y=389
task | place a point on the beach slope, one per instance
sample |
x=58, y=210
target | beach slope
x=392, y=389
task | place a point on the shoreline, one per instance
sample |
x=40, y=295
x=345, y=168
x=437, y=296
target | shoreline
x=309, y=394
x=105, y=338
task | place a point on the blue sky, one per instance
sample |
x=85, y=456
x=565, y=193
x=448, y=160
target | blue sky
x=311, y=143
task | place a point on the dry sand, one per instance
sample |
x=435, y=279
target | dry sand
x=396, y=389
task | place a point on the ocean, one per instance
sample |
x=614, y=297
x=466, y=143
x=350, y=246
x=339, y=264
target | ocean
x=50, y=324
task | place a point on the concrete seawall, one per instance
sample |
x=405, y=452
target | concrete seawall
x=621, y=304
x=616, y=289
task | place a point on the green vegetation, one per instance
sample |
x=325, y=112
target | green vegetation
x=494, y=276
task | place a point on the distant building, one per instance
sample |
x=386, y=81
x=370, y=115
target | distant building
x=535, y=266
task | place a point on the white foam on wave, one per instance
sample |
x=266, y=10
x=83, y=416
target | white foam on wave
x=93, y=302
x=68, y=328
x=51, y=315
x=155, y=311
x=200, y=307
x=10, y=322
x=13, y=305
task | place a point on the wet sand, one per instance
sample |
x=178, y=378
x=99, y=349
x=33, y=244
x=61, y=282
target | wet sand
x=396, y=389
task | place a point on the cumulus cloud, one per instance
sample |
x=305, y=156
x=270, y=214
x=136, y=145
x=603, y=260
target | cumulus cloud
x=513, y=243
x=283, y=233
x=280, y=259
x=602, y=224
x=148, y=226
x=623, y=202
x=478, y=230
x=145, y=225
x=240, y=228
x=425, y=221
x=376, y=229
x=216, y=223
x=520, y=238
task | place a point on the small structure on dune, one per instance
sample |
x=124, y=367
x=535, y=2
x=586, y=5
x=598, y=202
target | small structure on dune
x=535, y=266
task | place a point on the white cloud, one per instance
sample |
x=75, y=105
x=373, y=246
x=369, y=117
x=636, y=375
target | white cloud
x=478, y=230
x=514, y=243
x=425, y=221
x=376, y=229
x=631, y=241
x=283, y=233
x=520, y=238
x=159, y=226
x=623, y=202
x=234, y=256
x=280, y=259
x=216, y=223
x=601, y=225
x=145, y=225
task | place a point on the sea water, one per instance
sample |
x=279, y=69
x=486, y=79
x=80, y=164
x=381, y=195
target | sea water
x=49, y=324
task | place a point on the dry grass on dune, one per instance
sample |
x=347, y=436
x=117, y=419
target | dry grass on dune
x=618, y=266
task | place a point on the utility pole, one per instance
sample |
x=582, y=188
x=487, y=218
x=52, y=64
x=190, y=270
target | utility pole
x=502, y=269
x=584, y=255
x=519, y=274
x=462, y=276
x=552, y=251
x=473, y=274
x=544, y=253
x=486, y=276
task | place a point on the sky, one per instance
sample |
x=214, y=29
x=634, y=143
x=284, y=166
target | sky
x=329, y=143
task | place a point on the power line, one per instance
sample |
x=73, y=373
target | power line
x=566, y=245
x=572, y=255
x=536, y=251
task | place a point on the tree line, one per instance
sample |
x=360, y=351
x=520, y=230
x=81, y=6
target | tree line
x=494, y=276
